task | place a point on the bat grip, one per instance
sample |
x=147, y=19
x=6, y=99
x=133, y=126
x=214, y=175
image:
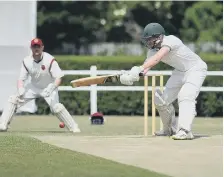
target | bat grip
x=141, y=74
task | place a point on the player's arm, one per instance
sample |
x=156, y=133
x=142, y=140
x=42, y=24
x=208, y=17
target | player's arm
x=22, y=78
x=57, y=82
x=150, y=53
x=155, y=59
x=56, y=73
x=150, y=62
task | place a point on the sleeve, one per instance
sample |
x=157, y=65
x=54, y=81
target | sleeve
x=55, y=70
x=172, y=42
x=23, y=72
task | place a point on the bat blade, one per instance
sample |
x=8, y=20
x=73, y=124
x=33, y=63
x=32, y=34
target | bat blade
x=87, y=81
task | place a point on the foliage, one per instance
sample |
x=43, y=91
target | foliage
x=79, y=23
x=129, y=103
x=203, y=22
x=69, y=22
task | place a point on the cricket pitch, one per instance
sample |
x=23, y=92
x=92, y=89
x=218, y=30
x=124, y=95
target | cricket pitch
x=121, y=139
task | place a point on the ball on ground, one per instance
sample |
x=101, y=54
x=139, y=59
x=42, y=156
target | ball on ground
x=61, y=125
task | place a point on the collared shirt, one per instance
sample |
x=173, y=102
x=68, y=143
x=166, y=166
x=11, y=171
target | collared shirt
x=42, y=72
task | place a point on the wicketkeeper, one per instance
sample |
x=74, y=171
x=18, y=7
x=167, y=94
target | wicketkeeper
x=46, y=76
x=184, y=84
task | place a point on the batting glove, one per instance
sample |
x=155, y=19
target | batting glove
x=123, y=72
x=126, y=79
x=135, y=71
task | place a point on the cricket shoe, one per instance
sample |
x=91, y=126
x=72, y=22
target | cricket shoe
x=183, y=135
x=3, y=128
x=164, y=133
x=76, y=130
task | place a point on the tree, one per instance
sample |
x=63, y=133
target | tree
x=69, y=22
x=203, y=22
x=79, y=23
x=167, y=13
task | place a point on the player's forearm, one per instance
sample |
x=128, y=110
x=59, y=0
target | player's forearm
x=155, y=59
x=57, y=82
x=145, y=71
x=20, y=83
x=151, y=62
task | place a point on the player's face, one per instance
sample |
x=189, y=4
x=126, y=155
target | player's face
x=152, y=42
x=37, y=50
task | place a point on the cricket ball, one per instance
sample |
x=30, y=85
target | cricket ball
x=61, y=125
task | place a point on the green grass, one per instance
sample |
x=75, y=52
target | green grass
x=22, y=156
x=27, y=157
x=114, y=125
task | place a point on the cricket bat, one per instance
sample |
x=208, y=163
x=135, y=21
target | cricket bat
x=87, y=81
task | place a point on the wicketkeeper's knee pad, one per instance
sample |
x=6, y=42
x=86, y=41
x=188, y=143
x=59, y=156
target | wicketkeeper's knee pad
x=63, y=115
x=9, y=110
x=58, y=107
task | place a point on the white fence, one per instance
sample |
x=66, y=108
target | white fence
x=94, y=88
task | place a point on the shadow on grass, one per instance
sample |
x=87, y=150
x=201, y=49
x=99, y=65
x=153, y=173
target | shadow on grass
x=198, y=136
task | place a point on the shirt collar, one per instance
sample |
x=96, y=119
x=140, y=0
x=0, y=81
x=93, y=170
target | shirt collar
x=41, y=58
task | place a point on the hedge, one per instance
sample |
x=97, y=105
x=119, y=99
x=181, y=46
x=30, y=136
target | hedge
x=129, y=103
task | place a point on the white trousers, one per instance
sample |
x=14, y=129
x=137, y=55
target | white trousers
x=185, y=86
x=33, y=93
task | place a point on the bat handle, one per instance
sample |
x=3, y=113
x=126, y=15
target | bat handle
x=141, y=74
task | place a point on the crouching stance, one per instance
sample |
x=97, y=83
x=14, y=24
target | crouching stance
x=184, y=84
x=45, y=76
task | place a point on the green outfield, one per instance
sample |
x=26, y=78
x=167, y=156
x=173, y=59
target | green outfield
x=26, y=157
x=22, y=153
x=114, y=125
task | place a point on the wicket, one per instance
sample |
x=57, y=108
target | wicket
x=153, y=105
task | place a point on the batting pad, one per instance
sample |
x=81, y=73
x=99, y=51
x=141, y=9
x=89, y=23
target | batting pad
x=166, y=112
x=63, y=115
x=9, y=110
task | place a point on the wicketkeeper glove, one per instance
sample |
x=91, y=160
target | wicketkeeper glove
x=21, y=92
x=48, y=90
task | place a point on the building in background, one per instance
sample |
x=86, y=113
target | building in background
x=18, y=27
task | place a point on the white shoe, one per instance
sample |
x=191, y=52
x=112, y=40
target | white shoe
x=183, y=135
x=76, y=130
x=3, y=128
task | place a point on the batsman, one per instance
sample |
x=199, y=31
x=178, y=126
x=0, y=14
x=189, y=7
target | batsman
x=46, y=76
x=184, y=84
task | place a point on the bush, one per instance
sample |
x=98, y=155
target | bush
x=129, y=103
